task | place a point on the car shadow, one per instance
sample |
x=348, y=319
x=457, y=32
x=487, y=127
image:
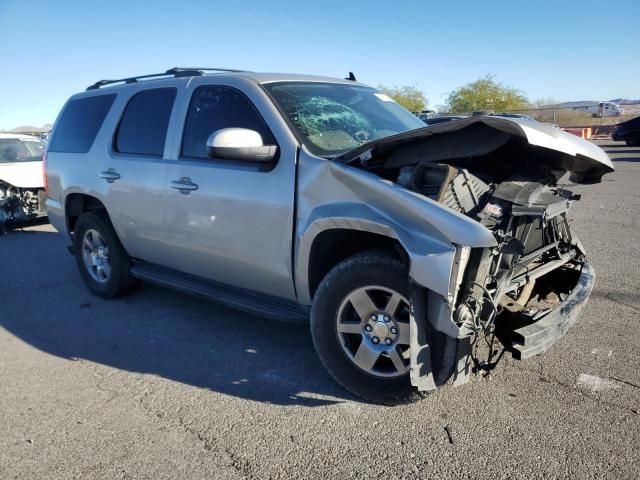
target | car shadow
x=615, y=146
x=628, y=150
x=20, y=227
x=156, y=331
x=634, y=151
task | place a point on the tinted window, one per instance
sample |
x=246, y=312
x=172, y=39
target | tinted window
x=79, y=123
x=144, y=123
x=215, y=108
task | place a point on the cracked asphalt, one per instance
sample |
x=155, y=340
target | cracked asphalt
x=161, y=385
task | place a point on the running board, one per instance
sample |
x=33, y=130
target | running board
x=259, y=304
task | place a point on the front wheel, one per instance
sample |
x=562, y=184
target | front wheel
x=633, y=141
x=360, y=327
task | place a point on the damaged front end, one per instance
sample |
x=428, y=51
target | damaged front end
x=528, y=288
x=19, y=205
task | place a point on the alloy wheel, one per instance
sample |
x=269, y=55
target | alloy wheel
x=95, y=256
x=372, y=325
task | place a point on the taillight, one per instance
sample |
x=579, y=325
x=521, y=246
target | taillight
x=44, y=171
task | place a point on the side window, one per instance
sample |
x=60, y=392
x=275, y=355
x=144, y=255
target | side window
x=214, y=108
x=79, y=124
x=144, y=123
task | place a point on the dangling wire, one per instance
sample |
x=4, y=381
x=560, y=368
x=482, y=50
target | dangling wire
x=487, y=329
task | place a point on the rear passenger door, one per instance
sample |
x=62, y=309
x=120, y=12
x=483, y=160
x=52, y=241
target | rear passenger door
x=236, y=225
x=136, y=171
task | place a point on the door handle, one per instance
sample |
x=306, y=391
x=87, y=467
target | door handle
x=185, y=185
x=110, y=175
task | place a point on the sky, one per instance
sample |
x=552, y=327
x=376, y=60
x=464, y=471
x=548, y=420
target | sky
x=562, y=49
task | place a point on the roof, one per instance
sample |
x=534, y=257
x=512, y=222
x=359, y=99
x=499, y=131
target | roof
x=18, y=136
x=261, y=78
x=292, y=77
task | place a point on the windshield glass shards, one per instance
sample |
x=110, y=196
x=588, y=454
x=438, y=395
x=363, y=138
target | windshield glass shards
x=332, y=118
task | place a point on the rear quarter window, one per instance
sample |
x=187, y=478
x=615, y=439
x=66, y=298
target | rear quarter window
x=79, y=124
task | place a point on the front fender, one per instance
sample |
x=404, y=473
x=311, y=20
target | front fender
x=336, y=196
x=430, y=259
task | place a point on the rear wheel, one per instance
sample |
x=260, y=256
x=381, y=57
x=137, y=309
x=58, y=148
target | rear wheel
x=102, y=261
x=360, y=327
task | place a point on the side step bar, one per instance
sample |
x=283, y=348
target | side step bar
x=259, y=304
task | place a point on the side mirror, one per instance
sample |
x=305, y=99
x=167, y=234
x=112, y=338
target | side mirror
x=240, y=144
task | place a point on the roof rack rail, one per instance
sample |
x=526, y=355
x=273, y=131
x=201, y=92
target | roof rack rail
x=202, y=69
x=172, y=72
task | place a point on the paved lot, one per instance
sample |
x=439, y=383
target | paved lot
x=161, y=385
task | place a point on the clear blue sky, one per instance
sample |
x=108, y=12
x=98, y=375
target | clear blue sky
x=568, y=50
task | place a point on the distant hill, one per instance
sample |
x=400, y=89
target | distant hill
x=27, y=128
x=625, y=101
x=619, y=101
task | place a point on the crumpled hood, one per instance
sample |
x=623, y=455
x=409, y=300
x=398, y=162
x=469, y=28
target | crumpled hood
x=479, y=135
x=22, y=174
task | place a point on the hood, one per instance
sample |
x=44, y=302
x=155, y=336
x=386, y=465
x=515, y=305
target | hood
x=479, y=136
x=22, y=174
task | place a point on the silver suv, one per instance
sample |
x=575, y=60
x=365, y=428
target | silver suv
x=297, y=197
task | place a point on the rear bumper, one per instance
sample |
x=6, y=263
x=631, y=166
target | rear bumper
x=537, y=337
x=56, y=214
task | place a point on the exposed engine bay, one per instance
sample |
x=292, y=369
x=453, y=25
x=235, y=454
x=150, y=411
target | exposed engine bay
x=529, y=221
x=514, y=189
x=19, y=205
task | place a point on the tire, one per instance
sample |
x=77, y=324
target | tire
x=633, y=141
x=374, y=270
x=119, y=280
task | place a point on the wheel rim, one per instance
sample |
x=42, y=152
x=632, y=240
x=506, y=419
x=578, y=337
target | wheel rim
x=372, y=325
x=95, y=256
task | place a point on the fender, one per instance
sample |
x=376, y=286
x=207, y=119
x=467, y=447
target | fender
x=336, y=196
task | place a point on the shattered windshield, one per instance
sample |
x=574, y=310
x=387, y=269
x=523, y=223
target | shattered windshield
x=332, y=118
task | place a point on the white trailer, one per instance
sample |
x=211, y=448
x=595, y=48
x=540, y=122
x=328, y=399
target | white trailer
x=597, y=109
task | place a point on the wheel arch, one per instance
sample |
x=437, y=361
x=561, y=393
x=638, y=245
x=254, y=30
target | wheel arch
x=319, y=249
x=334, y=245
x=75, y=204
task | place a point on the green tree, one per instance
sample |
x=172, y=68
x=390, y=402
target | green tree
x=486, y=94
x=410, y=98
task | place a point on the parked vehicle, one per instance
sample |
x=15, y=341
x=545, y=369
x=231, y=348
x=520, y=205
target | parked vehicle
x=628, y=132
x=21, y=189
x=598, y=109
x=424, y=115
x=442, y=119
x=295, y=196
x=516, y=115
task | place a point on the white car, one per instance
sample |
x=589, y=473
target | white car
x=22, y=193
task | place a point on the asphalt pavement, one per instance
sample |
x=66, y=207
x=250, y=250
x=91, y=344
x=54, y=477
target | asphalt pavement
x=162, y=385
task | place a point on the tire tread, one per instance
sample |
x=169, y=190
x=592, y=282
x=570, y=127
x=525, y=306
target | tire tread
x=368, y=259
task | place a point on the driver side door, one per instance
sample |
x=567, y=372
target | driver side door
x=232, y=220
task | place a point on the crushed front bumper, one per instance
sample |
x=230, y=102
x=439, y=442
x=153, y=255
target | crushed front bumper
x=537, y=337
